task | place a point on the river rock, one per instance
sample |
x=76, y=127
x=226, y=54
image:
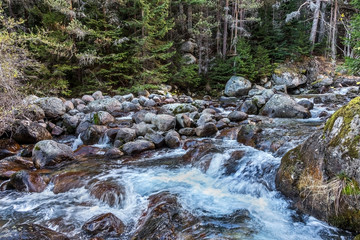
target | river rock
x=102, y=118
x=163, y=219
x=52, y=106
x=30, y=232
x=248, y=135
x=49, y=153
x=237, y=116
x=84, y=124
x=68, y=180
x=93, y=134
x=187, y=131
x=322, y=80
x=108, y=192
x=97, y=95
x=156, y=138
x=139, y=116
x=172, y=139
x=205, y=118
x=126, y=135
x=130, y=107
x=283, y=106
x=149, y=117
x=249, y=107
x=8, y=147
x=142, y=128
x=237, y=87
x=30, y=132
x=184, y=121
x=87, y=99
x=306, y=104
x=207, y=130
x=288, y=77
x=164, y=122
x=104, y=226
x=25, y=181
x=113, y=153
x=13, y=164
x=107, y=104
x=137, y=146
x=176, y=108
x=69, y=105
x=149, y=103
x=322, y=175
x=70, y=122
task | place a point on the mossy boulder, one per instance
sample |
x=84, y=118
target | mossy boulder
x=290, y=77
x=322, y=175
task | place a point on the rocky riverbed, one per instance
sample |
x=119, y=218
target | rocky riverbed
x=157, y=166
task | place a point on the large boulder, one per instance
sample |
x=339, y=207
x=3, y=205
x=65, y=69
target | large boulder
x=107, y=104
x=25, y=181
x=137, y=146
x=188, y=47
x=93, y=134
x=126, y=135
x=237, y=86
x=52, y=106
x=102, y=118
x=322, y=175
x=164, y=122
x=49, y=153
x=288, y=77
x=30, y=132
x=104, y=226
x=164, y=219
x=283, y=106
x=207, y=130
x=176, y=108
x=172, y=139
x=322, y=80
x=70, y=122
x=237, y=116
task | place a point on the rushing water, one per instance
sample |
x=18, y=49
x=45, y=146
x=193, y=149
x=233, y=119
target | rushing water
x=210, y=193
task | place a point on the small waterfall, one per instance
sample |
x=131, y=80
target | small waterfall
x=104, y=142
x=78, y=142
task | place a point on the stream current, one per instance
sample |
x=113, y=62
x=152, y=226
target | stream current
x=213, y=193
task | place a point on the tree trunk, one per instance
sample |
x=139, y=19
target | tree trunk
x=322, y=29
x=189, y=23
x=181, y=13
x=315, y=23
x=235, y=40
x=334, y=32
x=218, y=32
x=225, y=28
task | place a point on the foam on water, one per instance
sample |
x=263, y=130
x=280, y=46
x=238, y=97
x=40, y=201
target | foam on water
x=210, y=192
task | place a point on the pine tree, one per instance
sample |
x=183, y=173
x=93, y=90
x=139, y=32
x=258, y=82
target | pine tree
x=154, y=50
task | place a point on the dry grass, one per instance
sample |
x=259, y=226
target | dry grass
x=329, y=193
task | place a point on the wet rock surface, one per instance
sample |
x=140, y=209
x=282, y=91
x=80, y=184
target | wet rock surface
x=104, y=225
